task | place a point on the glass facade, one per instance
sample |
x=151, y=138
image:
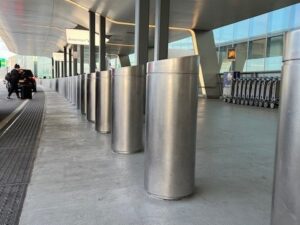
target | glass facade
x=259, y=41
x=43, y=66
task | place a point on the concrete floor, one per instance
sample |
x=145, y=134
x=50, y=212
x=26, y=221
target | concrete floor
x=78, y=180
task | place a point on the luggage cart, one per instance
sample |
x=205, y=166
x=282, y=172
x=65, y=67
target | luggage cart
x=258, y=90
x=248, y=91
x=268, y=93
x=235, y=91
x=275, y=94
x=228, y=86
x=243, y=98
x=253, y=91
x=240, y=91
x=262, y=92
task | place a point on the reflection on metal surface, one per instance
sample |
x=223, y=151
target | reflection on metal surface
x=91, y=97
x=128, y=108
x=171, y=118
x=201, y=78
x=78, y=91
x=83, y=94
x=286, y=196
x=103, y=101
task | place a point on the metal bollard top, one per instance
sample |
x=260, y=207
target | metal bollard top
x=292, y=46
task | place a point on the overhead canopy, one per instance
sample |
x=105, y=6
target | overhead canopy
x=37, y=27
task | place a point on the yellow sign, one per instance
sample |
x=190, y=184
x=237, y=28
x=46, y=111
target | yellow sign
x=231, y=54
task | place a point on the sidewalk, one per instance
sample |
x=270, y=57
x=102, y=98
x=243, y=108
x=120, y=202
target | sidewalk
x=77, y=180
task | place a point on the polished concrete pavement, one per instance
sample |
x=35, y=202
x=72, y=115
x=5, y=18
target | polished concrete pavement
x=77, y=179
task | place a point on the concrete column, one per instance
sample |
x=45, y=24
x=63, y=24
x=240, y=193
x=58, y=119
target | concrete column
x=81, y=59
x=92, y=42
x=209, y=64
x=64, y=74
x=58, y=69
x=141, y=31
x=55, y=69
x=75, y=61
x=162, y=12
x=70, y=61
x=62, y=69
x=35, y=68
x=124, y=60
x=102, y=47
x=52, y=69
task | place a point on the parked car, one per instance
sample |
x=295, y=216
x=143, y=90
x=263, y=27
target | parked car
x=28, y=76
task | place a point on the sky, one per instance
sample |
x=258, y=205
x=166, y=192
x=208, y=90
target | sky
x=4, y=52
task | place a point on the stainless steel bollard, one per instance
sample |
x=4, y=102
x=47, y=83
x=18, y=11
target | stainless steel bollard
x=171, y=120
x=128, y=106
x=74, y=90
x=103, y=102
x=91, y=97
x=286, y=196
x=83, y=94
x=78, y=91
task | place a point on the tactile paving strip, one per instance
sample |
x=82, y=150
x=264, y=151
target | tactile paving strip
x=18, y=147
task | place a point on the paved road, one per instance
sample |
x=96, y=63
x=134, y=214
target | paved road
x=18, y=146
x=7, y=106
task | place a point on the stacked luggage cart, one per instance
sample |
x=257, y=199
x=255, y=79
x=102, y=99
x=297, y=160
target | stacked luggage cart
x=252, y=90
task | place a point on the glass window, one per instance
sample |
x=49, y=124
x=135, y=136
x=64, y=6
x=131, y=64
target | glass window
x=257, y=49
x=217, y=35
x=241, y=52
x=275, y=46
x=258, y=25
x=222, y=54
x=226, y=34
x=296, y=20
x=274, y=53
x=279, y=20
x=241, y=30
x=256, y=55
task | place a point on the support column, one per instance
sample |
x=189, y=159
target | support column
x=58, y=69
x=62, y=69
x=102, y=47
x=81, y=59
x=70, y=62
x=64, y=74
x=35, y=67
x=75, y=61
x=52, y=69
x=55, y=69
x=162, y=12
x=141, y=40
x=92, y=42
x=286, y=195
x=124, y=60
x=205, y=47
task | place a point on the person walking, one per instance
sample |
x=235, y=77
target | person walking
x=13, y=80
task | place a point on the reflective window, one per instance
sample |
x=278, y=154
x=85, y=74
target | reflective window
x=258, y=25
x=241, y=53
x=279, y=20
x=296, y=19
x=241, y=30
x=274, y=53
x=275, y=46
x=226, y=34
x=257, y=49
x=256, y=56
